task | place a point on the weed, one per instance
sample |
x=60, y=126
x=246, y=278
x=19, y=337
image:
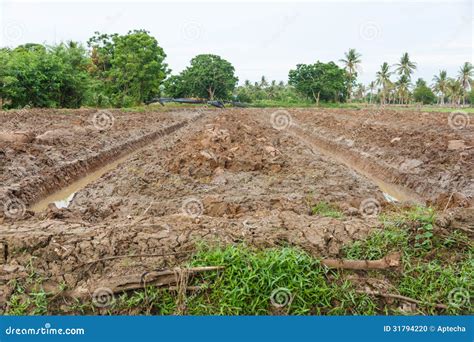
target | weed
x=327, y=210
x=427, y=275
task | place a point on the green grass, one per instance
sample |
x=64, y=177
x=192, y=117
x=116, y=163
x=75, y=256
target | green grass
x=436, y=268
x=468, y=110
x=327, y=210
x=296, y=282
x=300, y=104
x=28, y=296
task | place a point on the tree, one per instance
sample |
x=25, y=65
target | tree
x=372, y=86
x=319, y=81
x=40, y=76
x=210, y=76
x=455, y=91
x=402, y=89
x=471, y=96
x=4, y=75
x=274, y=91
x=383, y=79
x=360, y=91
x=102, y=47
x=441, y=85
x=405, y=66
x=465, y=77
x=75, y=78
x=351, y=63
x=138, y=67
x=175, y=87
x=129, y=68
x=422, y=93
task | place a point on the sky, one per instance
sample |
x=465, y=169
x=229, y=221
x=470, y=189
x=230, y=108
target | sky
x=263, y=38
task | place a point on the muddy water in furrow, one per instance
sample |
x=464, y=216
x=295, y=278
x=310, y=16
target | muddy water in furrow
x=392, y=192
x=63, y=197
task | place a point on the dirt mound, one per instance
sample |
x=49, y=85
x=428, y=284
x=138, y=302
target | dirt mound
x=228, y=145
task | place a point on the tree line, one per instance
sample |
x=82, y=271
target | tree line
x=114, y=70
x=130, y=69
x=452, y=90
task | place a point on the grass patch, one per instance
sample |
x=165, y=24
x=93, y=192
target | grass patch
x=299, y=103
x=437, y=267
x=439, y=109
x=271, y=281
x=254, y=281
x=327, y=210
x=28, y=296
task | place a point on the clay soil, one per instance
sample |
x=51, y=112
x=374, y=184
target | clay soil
x=219, y=176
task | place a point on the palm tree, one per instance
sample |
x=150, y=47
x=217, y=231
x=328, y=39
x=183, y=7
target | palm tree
x=360, y=91
x=403, y=85
x=441, y=84
x=272, y=89
x=263, y=82
x=465, y=77
x=351, y=63
x=405, y=67
x=372, y=87
x=383, y=79
x=455, y=91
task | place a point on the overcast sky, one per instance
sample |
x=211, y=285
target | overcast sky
x=267, y=38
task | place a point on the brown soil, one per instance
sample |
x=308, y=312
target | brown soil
x=420, y=151
x=222, y=176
